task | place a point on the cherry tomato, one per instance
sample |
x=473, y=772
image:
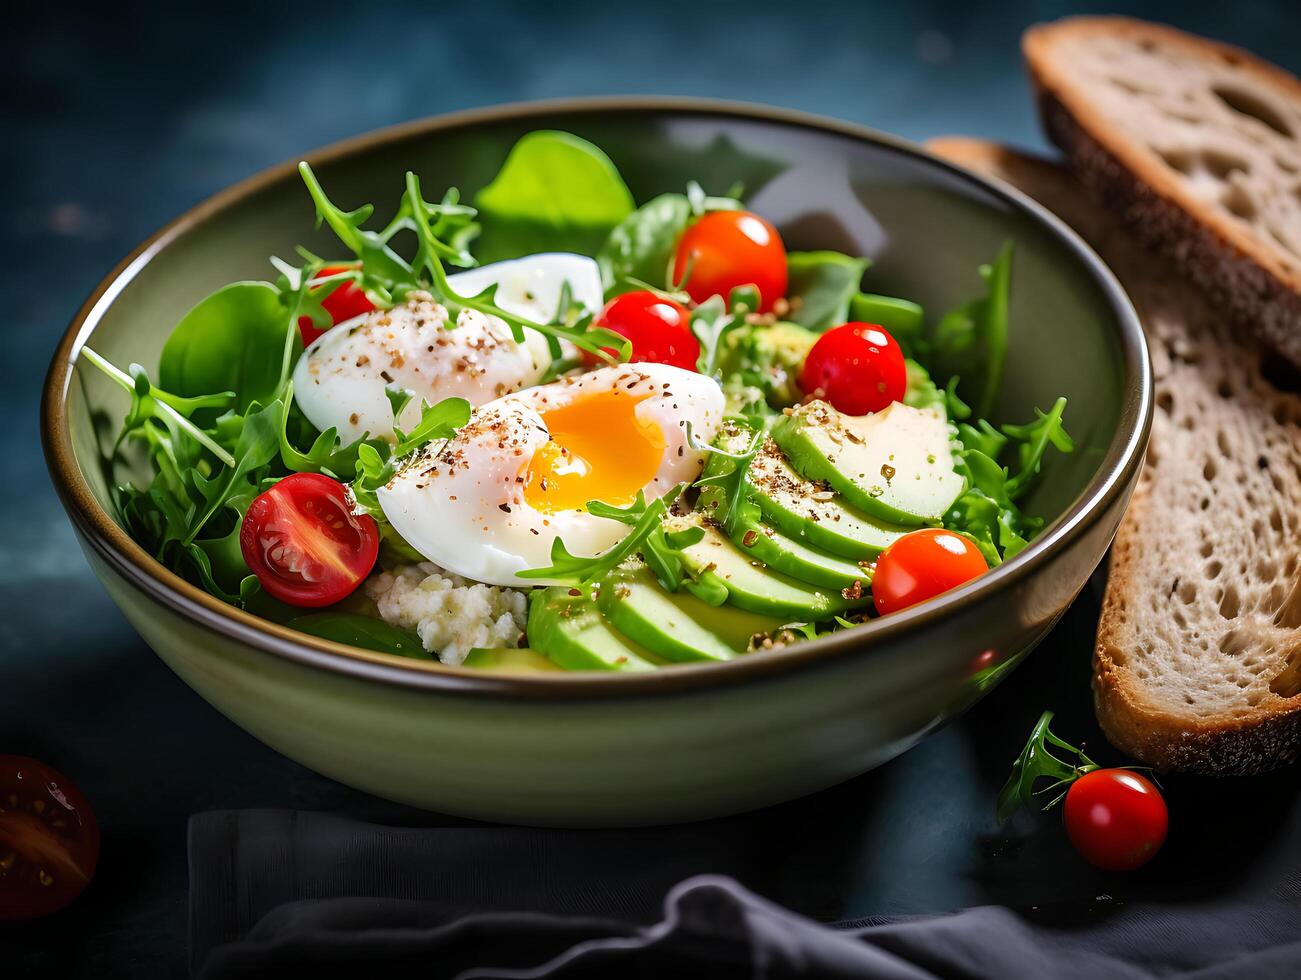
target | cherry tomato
x=303, y=542
x=49, y=839
x=921, y=565
x=660, y=329
x=1116, y=818
x=347, y=301
x=857, y=367
x=726, y=249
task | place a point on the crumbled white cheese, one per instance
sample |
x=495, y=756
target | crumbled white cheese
x=452, y=615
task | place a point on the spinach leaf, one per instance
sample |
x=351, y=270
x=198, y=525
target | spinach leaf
x=971, y=341
x=822, y=286
x=366, y=632
x=640, y=247
x=232, y=341
x=555, y=193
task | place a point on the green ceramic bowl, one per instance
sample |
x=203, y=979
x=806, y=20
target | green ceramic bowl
x=690, y=741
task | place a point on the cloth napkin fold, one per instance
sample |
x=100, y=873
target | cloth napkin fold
x=278, y=893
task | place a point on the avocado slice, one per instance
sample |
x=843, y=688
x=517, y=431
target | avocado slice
x=799, y=561
x=894, y=464
x=503, y=660
x=676, y=625
x=575, y=636
x=810, y=513
x=758, y=541
x=721, y=568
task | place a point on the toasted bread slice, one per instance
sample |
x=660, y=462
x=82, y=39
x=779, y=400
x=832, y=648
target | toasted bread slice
x=1197, y=144
x=1197, y=665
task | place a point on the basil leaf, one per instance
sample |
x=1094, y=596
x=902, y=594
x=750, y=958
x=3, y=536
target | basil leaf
x=231, y=341
x=366, y=632
x=555, y=193
x=821, y=286
x=640, y=247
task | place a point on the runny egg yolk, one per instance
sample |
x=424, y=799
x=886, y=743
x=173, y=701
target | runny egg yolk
x=599, y=450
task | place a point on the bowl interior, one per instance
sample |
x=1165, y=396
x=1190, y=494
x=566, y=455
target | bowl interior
x=926, y=227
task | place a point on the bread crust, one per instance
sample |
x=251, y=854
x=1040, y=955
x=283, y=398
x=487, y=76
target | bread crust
x=1239, y=273
x=1245, y=743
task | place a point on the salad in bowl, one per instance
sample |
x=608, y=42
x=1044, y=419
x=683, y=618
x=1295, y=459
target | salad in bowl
x=555, y=430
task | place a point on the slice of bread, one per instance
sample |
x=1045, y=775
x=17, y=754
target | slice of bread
x=1196, y=144
x=1197, y=665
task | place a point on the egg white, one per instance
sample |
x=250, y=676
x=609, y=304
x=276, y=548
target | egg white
x=339, y=381
x=461, y=503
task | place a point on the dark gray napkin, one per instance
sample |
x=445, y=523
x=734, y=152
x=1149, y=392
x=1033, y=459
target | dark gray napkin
x=280, y=893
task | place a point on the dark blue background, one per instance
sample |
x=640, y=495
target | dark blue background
x=116, y=118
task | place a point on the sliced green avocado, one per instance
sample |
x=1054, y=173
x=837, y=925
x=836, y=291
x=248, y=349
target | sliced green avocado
x=675, y=625
x=574, y=635
x=721, y=568
x=894, y=464
x=810, y=513
x=760, y=542
x=507, y=661
x=799, y=561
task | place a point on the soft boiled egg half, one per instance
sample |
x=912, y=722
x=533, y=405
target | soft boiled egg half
x=339, y=381
x=489, y=502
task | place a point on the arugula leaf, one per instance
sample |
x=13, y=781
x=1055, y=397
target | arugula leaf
x=1033, y=441
x=437, y=422
x=725, y=491
x=367, y=632
x=258, y=444
x=579, y=570
x=971, y=341
x=640, y=248
x=580, y=334
x=231, y=341
x=555, y=193
x=1037, y=762
x=327, y=454
x=822, y=286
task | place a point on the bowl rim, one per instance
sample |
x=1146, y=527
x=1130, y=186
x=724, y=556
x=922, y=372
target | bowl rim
x=1113, y=478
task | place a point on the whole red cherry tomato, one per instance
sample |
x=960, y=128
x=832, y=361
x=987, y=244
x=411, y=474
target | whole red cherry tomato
x=345, y=302
x=1116, y=818
x=49, y=839
x=727, y=249
x=921, y=565
x=857, y=367
x=660, y=329
x=304, y=543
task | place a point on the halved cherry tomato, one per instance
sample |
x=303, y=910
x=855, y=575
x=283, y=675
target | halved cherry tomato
x=304, y=543
x=726, y=249
x=49, y=839
x=857, y=367
x=921, y=565
x=660, y=329
x=1116, y=818
x=347, y=301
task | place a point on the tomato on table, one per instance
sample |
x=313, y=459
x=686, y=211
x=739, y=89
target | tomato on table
x=1116, y=818
x=345, y=302
x=49, y=839
x=727, y=249
x=304, y=543
x=857, y=367
x=921, y=565
x=659, y=328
